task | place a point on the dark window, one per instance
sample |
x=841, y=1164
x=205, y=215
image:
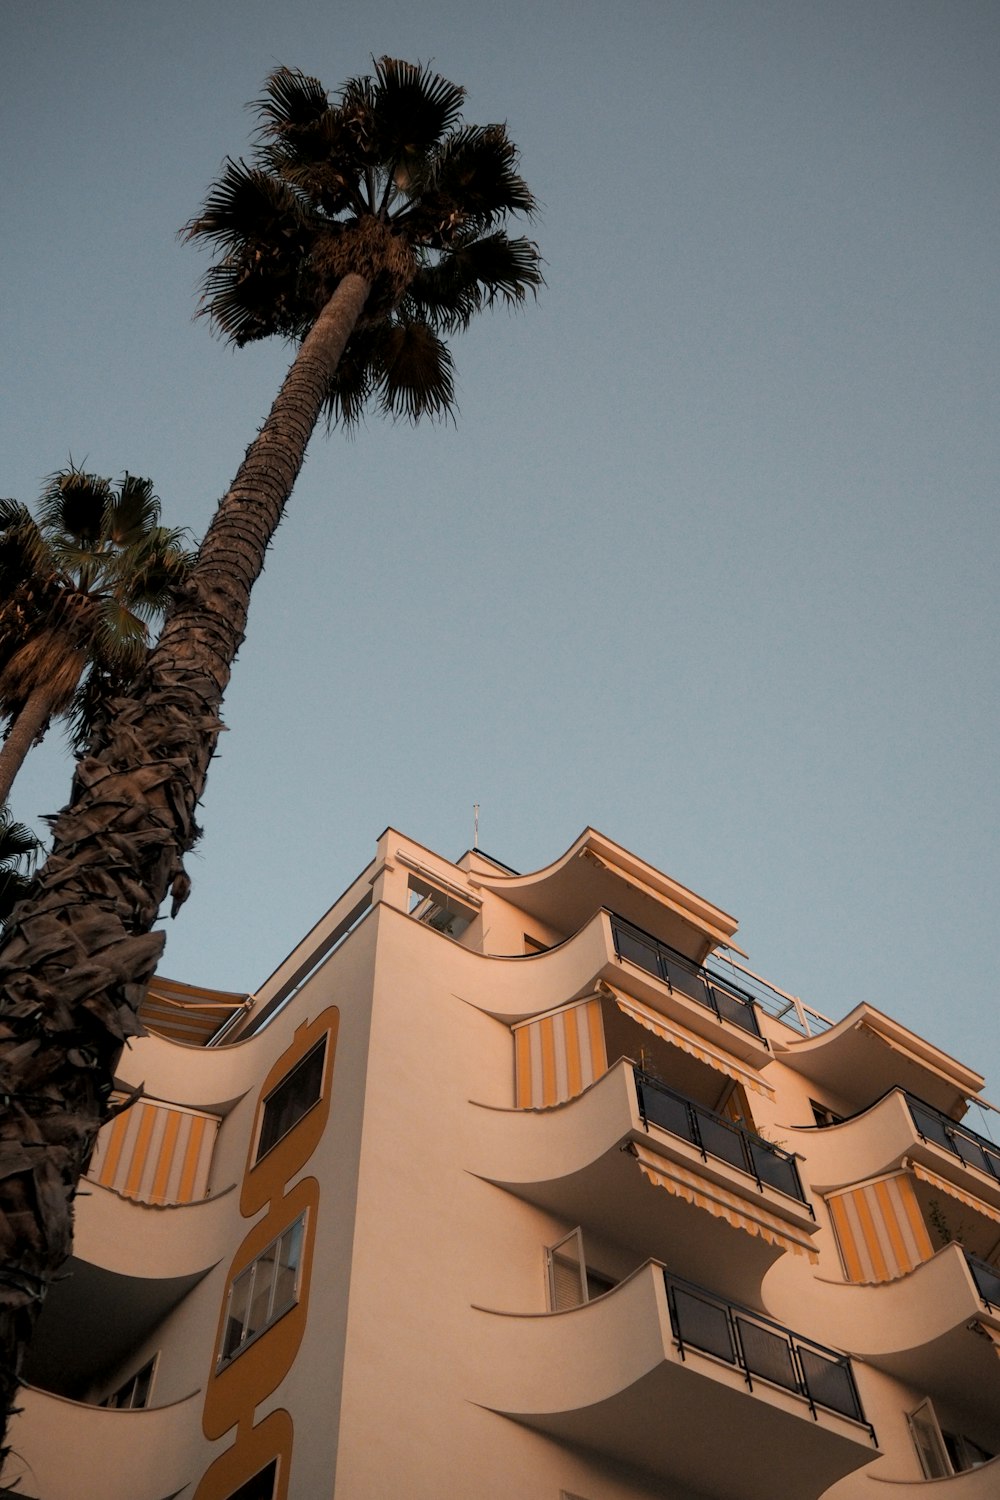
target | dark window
x=294, y=1097
x=260, y=1487
x=135, y=1391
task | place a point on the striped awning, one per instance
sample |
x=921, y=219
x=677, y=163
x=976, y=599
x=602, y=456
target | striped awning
x=944, y=1186
x=186, y=1013
x=879, y=1229
x=156, y=1153
x=719, y=1201
x=679, y=1036
x=557, y=1055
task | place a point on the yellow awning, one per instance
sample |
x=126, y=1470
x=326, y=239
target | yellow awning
x=944, y=1186
x=716, y=1200
x=186, y=1012
x=678, y=1036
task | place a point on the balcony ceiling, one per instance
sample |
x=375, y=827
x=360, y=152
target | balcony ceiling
x=867, y=1053
x=92, y=1320
x=596, y=873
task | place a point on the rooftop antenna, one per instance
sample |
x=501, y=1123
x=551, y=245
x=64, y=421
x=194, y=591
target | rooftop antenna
x=475, y=825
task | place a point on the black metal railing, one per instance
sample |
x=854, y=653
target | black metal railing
x=763, y=1350
x=987, y=1279
x=975, y=1150
x=728, y=1001
x=714, y=1135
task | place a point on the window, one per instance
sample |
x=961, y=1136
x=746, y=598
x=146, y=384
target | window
x=260, y=1487
x=942, y=1453
x=435, y=909
x=263, y=1292
x=293, y=1097
x=823, y=1116
x=135, y=1392
x=569, y=1279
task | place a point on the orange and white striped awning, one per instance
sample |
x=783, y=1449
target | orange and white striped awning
x=879, y=1229
x=942, y=1185
x=156, y=1153
x=679, y=1036
x=557, y=1055
x=719, y=1201
x=186, y=1013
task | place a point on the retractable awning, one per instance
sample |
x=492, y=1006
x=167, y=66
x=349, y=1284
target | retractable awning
x=720, y=1202
x=679, y=1036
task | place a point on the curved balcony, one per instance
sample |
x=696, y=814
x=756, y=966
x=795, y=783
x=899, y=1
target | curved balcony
x=899, y=1125
x=206, y=1078
x=936, y=1329
x=974, y=1484
x=594, y=1161
x=855, y=1059
x=655, y=1358
x=131, y=1266
x=121, y=1455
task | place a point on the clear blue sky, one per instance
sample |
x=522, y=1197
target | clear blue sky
x=709, y=560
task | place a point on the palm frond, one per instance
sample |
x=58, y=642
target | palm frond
x=24, y=550
x=472, y=181
x=250, y=208
x=412, y=109
x=461, y=282
x=415, y=376
x=120, y=637
x=247, y=300
x=146, y=576
x=353, y=380
x=133, y=512
x=73, y=505
x=19, y=850
x=292, y=101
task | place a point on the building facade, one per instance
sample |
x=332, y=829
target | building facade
x=524, y=1185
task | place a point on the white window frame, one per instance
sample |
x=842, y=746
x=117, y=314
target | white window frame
x=248, y=1278
x=931, y=1443
x=112, y=1402
x=556, y=1256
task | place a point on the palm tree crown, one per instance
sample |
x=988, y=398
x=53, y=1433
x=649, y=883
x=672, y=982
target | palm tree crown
x=79, y=587
x=387, y=183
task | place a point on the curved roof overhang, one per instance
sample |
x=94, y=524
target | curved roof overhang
x=867, y=1053
x=596, y=872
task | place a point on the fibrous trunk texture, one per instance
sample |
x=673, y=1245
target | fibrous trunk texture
x=77, y=957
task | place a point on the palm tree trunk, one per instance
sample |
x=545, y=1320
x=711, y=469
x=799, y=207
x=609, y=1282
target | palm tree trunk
x=77, y=957
x=24, y=731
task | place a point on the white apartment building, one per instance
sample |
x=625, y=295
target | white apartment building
x=524, y=1187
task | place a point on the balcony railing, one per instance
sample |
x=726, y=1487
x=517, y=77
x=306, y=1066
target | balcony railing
x=714, y=1135
x=987, y=1279
x=975, y=1150
x=728, y=1001
x=763, y=1350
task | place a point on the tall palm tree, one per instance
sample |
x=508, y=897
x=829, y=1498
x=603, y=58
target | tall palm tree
x=365, y=229
x=79, y=588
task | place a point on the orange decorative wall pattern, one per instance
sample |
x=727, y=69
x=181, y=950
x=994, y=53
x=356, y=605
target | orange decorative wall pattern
x=235, y=1389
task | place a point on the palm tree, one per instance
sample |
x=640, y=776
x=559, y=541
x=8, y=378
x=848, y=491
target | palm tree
x=365, y=229
x=79, y=587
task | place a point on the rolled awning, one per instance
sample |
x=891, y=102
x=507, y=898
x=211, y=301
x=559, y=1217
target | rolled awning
x=186, y=1012
x=719, y=1202
x=944, y=1186
x=678, y=1036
